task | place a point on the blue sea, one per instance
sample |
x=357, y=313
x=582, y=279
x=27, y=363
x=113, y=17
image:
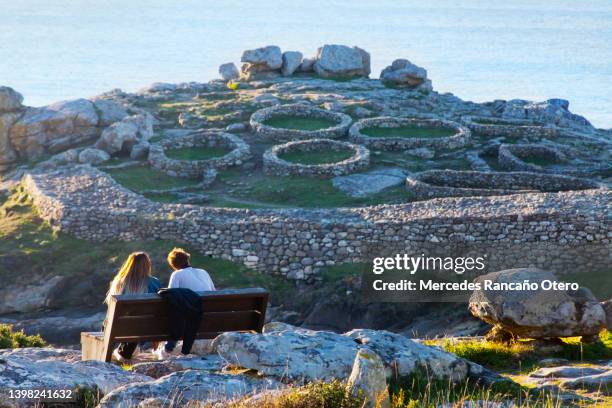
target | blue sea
x=477, y=49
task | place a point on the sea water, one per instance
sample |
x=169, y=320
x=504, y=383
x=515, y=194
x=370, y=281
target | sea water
x=477, y=49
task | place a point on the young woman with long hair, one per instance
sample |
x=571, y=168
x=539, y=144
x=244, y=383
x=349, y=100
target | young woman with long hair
x=134, y=276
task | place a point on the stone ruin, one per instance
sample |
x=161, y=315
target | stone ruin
x=275, y=166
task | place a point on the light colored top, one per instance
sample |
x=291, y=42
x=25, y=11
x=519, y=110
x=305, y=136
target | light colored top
x=195, y=279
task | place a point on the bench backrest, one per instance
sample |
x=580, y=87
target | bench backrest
x=145, y=317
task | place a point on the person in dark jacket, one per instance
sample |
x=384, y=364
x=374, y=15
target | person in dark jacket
x=185, y=315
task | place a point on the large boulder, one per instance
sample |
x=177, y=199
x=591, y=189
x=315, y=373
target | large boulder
x=10, y=100
x=404, y=73
x=370, y=183
x=308, y=355
x=537, y=313
x=187, y=388
x=92, y=155
x=291, y=62
x=229, y=71
x=340, y=61
x=551, y=111
x=109, y=111
x=404, y=356
x=58, y=370
x=54, y=128
x=368, y=380
x=7, y=154
x=264, y=62
x=123, y=135
x=28, y=297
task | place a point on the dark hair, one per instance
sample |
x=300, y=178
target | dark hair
x=178, y=258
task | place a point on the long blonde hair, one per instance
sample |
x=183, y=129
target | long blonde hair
x=132, y=276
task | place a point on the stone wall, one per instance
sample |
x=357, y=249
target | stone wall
x=259, y=118
x=515, y=128
x=459, y=139
x=510, y=156
x=87, y=203
x=195, y=169
x=275, y=166
x=453, y=183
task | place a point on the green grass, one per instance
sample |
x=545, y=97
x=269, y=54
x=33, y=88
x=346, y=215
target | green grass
x=317, y=157
x=24, y=236
x=196, y=153
x=299, y=123
x=408, y=131
x=17, y=339
x=523, y=355
x=140, y=178
x=538, y=160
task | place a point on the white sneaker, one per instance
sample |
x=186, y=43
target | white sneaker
x=160, y=353
x=119, y=357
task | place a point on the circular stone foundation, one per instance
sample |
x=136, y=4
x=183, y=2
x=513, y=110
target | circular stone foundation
x=459, y=135
x=528, y=157
x=453, y=183
x=259, y=126
x=275, y=166
x=495, y=127
x=196, y=169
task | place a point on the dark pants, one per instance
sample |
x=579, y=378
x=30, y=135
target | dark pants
x=127, y=349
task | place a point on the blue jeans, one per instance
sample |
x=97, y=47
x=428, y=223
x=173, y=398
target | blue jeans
x=170, y=345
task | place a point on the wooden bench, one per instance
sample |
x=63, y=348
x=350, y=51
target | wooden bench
x=144, y=317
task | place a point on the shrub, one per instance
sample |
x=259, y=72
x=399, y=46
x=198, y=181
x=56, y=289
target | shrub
x=11, y=339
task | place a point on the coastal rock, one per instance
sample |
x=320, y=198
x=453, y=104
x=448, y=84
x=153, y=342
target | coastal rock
x=298, y=355
x=123, y=135
x=32, y=370
x=307, y=65
x=28, y=297
x=92, y=155
x=404, y=356
x=63, y=329
x=537, y=313
x=404, y=73
x=595, y=383
x=291, y=62
x=338, y=61
x=109, y=112
x=54, y=128
x=370, y=183
x=140, y=151
x=261, y=63
x=10, y=100
x=229, y=71
x=368, y=380
x=182, y=388
x=551, y=111
x=7, y=153
x=158, y=369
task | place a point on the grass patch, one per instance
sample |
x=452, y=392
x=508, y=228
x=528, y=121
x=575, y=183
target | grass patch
x=408, y=131
x=23, y=235
x=196, y=153
x=336, y=273
x=523, y=355
x=299, y=123
x=317, y=157
x=538, y=160
x=16, y=339
x=140, y=178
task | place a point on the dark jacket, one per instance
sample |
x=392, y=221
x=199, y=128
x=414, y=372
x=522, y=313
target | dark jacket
x=185, y=315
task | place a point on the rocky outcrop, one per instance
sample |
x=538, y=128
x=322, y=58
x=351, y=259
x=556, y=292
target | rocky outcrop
x=369, y=183
x=229, y=71
x=341, y=61
x=182, y=388
x=10, y=100
x=10, y=107
x=123, y=135
x=58, y=370
x=537, y=313
x=35, y=295
x=307, y=355
x=368, y=380
x=261, y=63
x=109, y=111
x=404, y=73
x=552, y=111
x=92, y=155
x=291, y=62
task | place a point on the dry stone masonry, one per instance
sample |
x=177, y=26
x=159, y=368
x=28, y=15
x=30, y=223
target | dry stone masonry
x=259, y=118
x=513, y=128
x=459, y=139
x=453, y=183
x=194, y=169
x=510, y=156
x=275, y=166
